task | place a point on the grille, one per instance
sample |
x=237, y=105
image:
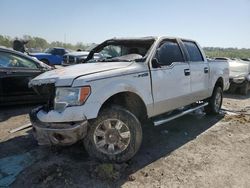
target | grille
x=48, y=91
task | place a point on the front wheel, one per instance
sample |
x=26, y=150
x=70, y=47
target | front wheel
x=114, y=136
x=215, y=102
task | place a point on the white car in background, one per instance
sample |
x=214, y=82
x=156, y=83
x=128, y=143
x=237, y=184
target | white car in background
x=239, y=74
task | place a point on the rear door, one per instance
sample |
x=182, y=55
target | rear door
x=171, y=79
x=15, y=73
x=199, y=70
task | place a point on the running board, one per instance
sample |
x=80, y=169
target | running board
x=162, y=121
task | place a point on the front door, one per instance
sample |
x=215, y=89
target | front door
x=15, y=74
x=171, y=79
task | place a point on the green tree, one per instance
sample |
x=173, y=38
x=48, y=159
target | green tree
x=5, y=41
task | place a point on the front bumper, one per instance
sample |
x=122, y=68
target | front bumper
x=57, y=133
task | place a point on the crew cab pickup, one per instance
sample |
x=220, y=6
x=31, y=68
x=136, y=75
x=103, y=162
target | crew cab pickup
x=104, y=102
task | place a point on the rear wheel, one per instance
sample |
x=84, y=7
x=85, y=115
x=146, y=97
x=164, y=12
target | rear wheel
x=215, y=102
x=114, y=136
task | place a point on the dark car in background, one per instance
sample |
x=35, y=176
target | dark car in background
x=245, y=59
x=77, y=57
x=16, y=70
x=51, y=56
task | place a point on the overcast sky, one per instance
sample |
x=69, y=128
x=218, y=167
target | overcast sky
x=223, y=23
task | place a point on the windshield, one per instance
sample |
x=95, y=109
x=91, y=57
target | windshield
x=122, y=50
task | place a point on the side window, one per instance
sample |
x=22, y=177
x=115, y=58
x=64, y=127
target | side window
x=169, y=52
x=4, y=60
x=56, y=52
x=193, y=51
x=9, y=60
x=61, y=51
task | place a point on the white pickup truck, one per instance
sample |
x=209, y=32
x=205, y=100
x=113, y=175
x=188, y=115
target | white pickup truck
x=104, y=102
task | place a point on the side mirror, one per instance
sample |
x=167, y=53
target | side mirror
x=155, y=63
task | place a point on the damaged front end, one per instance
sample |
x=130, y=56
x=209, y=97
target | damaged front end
x=47, y=90
x=64, y=133
x=51, y=127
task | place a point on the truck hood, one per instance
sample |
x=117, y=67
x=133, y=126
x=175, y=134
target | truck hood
x=65, y=76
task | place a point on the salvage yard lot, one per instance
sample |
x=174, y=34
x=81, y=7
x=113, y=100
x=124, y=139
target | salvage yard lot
x=192, y=151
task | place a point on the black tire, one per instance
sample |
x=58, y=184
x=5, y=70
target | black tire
x=244, y=89
x=128, y=119
x=214, y=105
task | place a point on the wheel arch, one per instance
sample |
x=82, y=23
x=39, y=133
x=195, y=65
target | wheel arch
x=129, y=100
x=219, y=83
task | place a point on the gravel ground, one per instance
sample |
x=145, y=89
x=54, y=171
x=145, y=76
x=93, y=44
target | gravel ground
x=193, y=151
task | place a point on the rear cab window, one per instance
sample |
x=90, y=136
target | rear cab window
x=194, y=53
x=59, y=52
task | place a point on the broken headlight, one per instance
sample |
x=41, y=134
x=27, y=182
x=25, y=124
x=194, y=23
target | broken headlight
x=68, y=96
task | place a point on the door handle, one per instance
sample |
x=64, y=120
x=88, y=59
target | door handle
x=206, y=70
x=187, y=72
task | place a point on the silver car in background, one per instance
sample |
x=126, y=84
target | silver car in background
x=239, y=75
x=77, y=57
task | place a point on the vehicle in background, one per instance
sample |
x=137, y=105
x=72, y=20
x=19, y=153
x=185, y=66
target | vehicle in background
x=239, y=75
x=77, y=57
x=245, y=59
x=105, y=101
x=34, y=50
x=51, y=56
x=16, y=70
x=222, y=58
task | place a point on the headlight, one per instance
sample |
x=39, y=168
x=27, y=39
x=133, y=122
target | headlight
x=239, y=80
x=67, y=96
